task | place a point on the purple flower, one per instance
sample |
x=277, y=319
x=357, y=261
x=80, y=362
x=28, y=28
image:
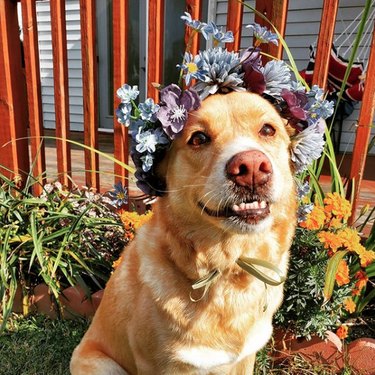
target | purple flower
x=175, y=105
x=296, y=101
x=252, y=67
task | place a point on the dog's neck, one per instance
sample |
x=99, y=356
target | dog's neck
x=197, y=251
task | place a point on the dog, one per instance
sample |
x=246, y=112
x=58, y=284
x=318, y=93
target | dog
x=230, y=194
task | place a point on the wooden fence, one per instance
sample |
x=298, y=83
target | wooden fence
x=21, y=105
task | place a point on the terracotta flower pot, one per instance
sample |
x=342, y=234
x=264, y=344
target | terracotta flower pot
x=359, y=354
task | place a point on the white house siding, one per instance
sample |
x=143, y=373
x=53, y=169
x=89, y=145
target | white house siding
x=74, y=63
x=302, y=29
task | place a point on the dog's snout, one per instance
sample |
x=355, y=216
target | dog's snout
x=249, y=168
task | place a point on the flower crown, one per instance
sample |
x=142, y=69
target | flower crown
x=153, y=126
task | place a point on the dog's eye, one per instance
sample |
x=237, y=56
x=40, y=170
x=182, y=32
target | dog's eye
x=267, y=130
x=198, y=138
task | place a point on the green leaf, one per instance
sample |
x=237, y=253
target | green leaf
x=332, y=267
x=365, y=301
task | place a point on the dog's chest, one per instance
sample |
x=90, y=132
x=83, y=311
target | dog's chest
x=207, y=358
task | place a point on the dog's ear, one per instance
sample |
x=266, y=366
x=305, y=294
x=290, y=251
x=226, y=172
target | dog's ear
x=161, y=172
x=291, y=132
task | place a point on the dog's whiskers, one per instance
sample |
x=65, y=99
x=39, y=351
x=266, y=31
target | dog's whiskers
x=215, y=194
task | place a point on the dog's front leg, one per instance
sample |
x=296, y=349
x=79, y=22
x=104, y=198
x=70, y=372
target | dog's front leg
x=94, y=362
x=245, y=367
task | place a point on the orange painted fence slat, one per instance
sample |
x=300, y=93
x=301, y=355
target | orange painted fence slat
x=276, y=11
x=13, y=107
x=365, y=123
x=234, y=23
x=325, y=39
x=90, y=89
x=155, y=47
x=194, y=7
x=120, y=14
x=61, y=90
x=34, y=94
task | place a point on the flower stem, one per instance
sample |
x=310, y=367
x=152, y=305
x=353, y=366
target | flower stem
x=187, y=49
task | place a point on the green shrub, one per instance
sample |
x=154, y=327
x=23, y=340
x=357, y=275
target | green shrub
x=61, y=238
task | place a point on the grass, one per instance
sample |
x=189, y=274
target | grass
x=38, y=345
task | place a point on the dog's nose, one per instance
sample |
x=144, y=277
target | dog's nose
x=249, y=168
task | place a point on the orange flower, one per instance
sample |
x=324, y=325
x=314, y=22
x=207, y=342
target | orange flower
x=330, y=240
x=350, y=238
x=362, y=279
x=342, y=332
x=366, y=257
x=342, y=274
x=349, y=305
x=335, y=223
x=338, y=206
x=132, y=220
x=315, y=219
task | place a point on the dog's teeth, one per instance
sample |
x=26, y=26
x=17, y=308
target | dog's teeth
x=263, y=204
x=243, y=206
x=235, y=208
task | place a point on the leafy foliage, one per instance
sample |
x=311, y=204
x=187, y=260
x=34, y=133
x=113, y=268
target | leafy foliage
x=303, y=310
x=61, y=238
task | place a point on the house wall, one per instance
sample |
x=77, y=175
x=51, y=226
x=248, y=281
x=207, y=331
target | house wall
x=74, y=63
x=301, y=31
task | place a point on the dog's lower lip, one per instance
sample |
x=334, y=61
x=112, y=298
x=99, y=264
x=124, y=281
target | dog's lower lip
x=250, y=212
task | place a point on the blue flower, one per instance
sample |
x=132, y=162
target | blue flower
x=193, y=67
x=147, y=162
x=302, y=189
x=218, y=34
x=277, y=77
x=317, y=107
x=148, y=110
x=307, y=146
x=223, y=72
x=303, y=211
x=194, y=24
x=120, y=195
x=148, y=140
x=262, y=34
x=127, y=93
x=123, y=113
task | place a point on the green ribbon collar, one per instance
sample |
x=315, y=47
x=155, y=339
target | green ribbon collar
x=248, y=265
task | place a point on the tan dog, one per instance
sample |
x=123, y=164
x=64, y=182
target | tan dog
x=230, y=194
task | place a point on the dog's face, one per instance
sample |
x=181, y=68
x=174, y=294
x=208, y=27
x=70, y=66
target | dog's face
x=231, y=166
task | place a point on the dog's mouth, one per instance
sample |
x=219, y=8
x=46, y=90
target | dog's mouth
x=251, y=212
